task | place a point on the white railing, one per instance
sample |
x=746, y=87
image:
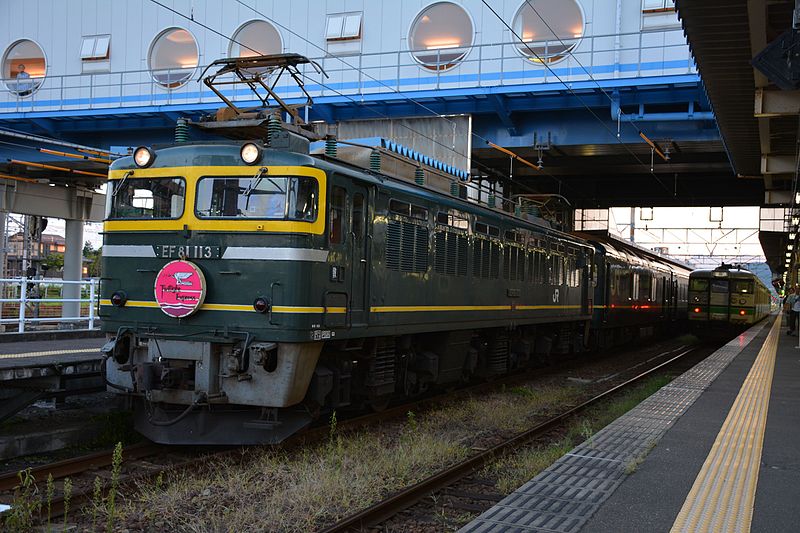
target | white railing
x=27, y=293
x=595, y=57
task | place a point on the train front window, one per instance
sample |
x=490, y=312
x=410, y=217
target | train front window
x=261, y=197
x=719, y=286
x=698, y=284
x=147, y=198
x=743, y=287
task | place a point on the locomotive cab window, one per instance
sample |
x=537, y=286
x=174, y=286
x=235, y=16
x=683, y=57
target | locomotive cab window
x=259, y=197
x=146, y=198
x=697, y=284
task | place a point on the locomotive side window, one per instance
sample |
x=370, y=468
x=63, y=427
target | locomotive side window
x=400, y=208
x=336, y=231
x=259, y=197
x=358, y=216
x=449, y=219
x=408, y=210
x=145, y=198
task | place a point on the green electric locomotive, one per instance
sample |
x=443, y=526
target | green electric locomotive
x=726, y=300
x=248, y=287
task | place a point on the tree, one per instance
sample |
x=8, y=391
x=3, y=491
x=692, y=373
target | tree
x=92, y=259
x=54, y=261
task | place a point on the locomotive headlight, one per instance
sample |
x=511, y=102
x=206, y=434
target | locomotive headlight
x=143, y=157
x=250, y=153
x=261, y=305
x=119, y=299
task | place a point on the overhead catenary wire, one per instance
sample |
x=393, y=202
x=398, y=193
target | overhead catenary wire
x=322, y=84
x=575, y=94
x=393, y=89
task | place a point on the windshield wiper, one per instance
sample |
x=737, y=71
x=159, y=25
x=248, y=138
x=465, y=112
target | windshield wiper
x=121, y=183
x=255, y=182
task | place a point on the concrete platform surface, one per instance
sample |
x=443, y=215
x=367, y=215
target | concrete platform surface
x=667, y=466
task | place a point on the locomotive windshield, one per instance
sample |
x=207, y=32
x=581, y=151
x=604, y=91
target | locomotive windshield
x=261, y=196
x=147, y=198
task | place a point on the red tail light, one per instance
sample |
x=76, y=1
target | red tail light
x=696, y=309
x=741, y=312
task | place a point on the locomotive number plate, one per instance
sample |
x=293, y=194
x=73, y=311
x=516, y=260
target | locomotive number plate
x=175, y=251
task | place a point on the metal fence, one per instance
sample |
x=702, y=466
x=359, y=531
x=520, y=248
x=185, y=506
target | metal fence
x=595, y=57
x=28, y=303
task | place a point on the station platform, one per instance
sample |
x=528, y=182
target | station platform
x=35, y=370
x=714, y=450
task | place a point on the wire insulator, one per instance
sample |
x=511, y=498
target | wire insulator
x=181, y=130
x=419, y=176
x=273, y=127
x=330, y=146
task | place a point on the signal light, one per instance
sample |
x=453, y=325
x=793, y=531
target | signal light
x=119, y=299
x=261, y=305
x=250, y=153
x=143, y=157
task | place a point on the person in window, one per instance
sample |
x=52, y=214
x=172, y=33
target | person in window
x=24, y=83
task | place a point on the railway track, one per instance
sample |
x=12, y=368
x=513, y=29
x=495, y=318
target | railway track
x=171, y=460
x=389, y=507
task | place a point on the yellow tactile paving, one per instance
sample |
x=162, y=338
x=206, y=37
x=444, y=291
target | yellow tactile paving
x=50, y=352
x=721, y=499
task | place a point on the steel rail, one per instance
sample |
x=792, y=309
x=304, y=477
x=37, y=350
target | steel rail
x=400, y=501
x=77, y=465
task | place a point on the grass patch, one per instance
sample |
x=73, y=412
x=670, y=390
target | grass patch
x=328, y=481
x=303, y=492
x=514, y=470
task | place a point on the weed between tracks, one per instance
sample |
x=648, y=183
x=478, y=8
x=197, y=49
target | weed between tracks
x=514, y=470
x=273, y=490
x=301, y=491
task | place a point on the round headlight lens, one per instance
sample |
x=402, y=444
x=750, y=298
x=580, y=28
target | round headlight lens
x=119, y=299
x=261, y=305
x=251, y=153
x=143, y=157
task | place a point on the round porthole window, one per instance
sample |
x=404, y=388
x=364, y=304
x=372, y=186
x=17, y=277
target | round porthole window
x=256, y=38
x=173, y=57
x=441, y=36
x=549, y=29
x=24, y=67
